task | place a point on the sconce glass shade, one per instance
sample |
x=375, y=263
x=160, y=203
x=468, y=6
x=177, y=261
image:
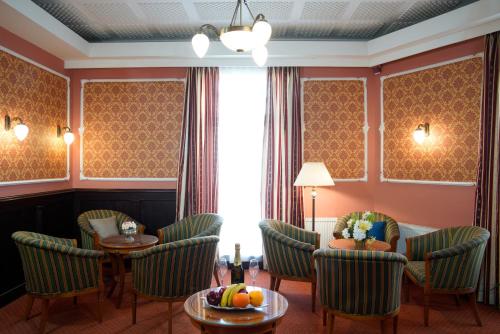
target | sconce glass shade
x=419, y=136
x=200, y=44
x=69, y=137
x=21, y=131
x=262, y=31
x=259, y=55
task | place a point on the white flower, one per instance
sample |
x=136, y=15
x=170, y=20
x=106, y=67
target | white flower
x=345, y=233
x=349, y=223
x=359, y=235
x=128, y=226
x=365, y=225
x=366, y=215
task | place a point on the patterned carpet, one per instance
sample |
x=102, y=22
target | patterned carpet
x=64, y=317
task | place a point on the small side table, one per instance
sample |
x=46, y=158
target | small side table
x=260, y=321
x=348, y=244
x=118, y=248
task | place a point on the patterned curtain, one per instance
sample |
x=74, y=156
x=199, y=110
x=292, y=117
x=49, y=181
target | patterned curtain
x=488, y=177
x=282, y=153
x=197, y=178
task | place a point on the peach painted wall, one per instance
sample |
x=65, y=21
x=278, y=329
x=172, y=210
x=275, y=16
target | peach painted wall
x=26, y=49
x=120, y=73
x=429, y=205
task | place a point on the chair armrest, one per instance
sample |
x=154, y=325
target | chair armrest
x=302, y=235
x=339, y=227
x=392, y=234
x=58, y=241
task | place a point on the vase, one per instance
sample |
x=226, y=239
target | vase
x=129, y=234
x=360, y=244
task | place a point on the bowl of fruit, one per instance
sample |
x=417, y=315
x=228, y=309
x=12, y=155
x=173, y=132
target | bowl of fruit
x=234, y=297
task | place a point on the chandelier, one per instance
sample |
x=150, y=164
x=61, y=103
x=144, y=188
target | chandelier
x=237, y=36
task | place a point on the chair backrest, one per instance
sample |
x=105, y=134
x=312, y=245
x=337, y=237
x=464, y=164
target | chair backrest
x=54, y=265
x=360, y=282
x=84, y=223
x=200, y=225
x=175, y=270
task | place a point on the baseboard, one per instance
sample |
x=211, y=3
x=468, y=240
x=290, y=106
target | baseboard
x=12, y=294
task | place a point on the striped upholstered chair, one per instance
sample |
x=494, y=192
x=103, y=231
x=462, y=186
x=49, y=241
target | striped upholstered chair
x=90, y=239
x=360, y=285
x=173, y=271
x=391, y=227
x=200, y=225
x=447, y=261
x=289, y=252
x=55, y=268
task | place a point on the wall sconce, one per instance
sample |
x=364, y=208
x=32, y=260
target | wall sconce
x=421, y=132
x=20, y=130
x=68, y=136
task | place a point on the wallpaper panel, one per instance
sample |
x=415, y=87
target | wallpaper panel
x=448, y=97
x=40, y=99
x=334, y=121
x=132, y=129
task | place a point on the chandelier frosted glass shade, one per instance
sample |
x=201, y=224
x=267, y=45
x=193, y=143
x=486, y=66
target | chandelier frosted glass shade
x=200, y=44
x=238, y=38
x=262, y=31
x=259, y=55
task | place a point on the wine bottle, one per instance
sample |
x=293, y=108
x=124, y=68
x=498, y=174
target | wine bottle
x=237, y=273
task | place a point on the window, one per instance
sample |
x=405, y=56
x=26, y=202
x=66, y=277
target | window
x=242, y=103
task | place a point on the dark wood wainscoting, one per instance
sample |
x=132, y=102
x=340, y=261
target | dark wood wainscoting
x=55, y=213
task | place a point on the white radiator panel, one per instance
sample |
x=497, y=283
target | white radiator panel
x=324, y=226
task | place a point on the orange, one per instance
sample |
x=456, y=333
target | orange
x=241, y=300
x=256, y=298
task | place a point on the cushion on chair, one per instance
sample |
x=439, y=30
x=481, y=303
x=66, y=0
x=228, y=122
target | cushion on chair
x=105, y=227
x=377, y=231
x=417, y=270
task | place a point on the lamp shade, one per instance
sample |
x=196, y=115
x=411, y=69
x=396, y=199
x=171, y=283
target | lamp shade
x=314, y=174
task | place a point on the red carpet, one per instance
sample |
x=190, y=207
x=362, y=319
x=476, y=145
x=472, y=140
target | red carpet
x=64, y=317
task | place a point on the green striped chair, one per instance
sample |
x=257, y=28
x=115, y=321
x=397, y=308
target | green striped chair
x=90, y=239
x=200, y=225
x=289, y=252
x=55, y=268
x=173, y=271
x=447, y=261
x=391, y=227
x=360, y=285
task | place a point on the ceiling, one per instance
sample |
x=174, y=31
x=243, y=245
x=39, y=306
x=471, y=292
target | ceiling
x=160, y=20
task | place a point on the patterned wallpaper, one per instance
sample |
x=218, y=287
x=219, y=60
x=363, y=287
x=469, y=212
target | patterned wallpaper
x=334, y=120
x=448, y=98
x=132, y=129
x=40, y=99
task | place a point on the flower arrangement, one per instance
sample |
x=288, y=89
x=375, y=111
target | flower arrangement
x=357, y=228
x=129, y=228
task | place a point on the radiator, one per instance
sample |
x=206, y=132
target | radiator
x=324, y=226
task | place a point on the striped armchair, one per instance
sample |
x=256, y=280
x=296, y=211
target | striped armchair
x=360, y=285
x=201, y=225
x=447, y=261
x=90, y=239
x=391, y=227
x=55, y=268
x=173, y=271
x=289, y=252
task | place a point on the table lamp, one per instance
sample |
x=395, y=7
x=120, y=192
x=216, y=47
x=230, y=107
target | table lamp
x=313, y=174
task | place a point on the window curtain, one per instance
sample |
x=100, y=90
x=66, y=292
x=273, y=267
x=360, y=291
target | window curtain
x=282, y=150
x=197, y=177
x=488, y=177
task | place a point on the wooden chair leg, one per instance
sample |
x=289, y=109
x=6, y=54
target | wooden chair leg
x=395, y=321
x=473, y=305
x=313, y=296
x=29, y=306
x=273, y=282
x=216, y=276
x=330, y=322
x=324, y=317
x=406, y=288
x=170, y=318
x=99, y=306
x=382, y=326
x=45, y=316
x=278, y=282
x=134, y=308
x=427, y=303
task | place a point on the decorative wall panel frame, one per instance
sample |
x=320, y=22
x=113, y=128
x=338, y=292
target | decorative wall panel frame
x=382, y=127
x=82, y=130
x=68, y=120
x=365, y=114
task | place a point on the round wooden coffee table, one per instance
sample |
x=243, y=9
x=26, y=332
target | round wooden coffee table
x=118, y=248
x=213, y=321
x=375, y=245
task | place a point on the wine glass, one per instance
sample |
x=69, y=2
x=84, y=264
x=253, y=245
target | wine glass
x=222, y=269
x=253, y=269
